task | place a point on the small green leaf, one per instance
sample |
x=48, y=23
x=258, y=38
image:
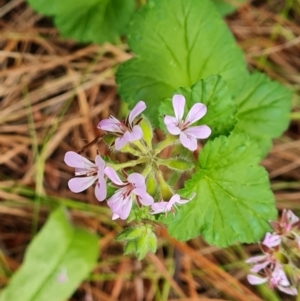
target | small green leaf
x=130, y=233
x=142, y=241
x=152, y=241
x=177, y=42
x=57, y=260
x=179, y=164
x=130, y=247
x=96, y=21
x=233, y=200
x=264, y=108
x=221, y=109
x=226, y=7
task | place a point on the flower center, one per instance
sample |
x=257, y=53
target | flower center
x=127, y=190
x=183, y=125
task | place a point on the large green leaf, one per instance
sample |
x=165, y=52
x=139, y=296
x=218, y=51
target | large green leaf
x=213, y=92
x=94, y=21
x=233, y=200
x=57, y=260
x=177, y=42
x=264, y=108
x=226, y=7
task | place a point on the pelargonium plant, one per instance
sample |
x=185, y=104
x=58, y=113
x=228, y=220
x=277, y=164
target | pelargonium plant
x=189, y=80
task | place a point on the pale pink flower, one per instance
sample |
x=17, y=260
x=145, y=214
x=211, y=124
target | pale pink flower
x=287, y=222
x=272, y=240
x=177, y=126
x=121, y=202
x=268, y=259
x=161, y=207
x=88, y=173
x=275, y=278
x=127, y=130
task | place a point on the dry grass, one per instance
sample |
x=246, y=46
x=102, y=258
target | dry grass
x=53, y=92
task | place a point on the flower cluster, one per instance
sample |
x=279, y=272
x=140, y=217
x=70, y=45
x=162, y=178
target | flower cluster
x=277, y=265
x=133, y=191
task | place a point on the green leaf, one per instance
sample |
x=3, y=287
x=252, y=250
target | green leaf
x=221, y=109
x=94, y=21
x=178, y=164
x=139, y=240
x=264, y=108
x=57, y=260
x=177, y=42
x=226, y=7
x=233, y=200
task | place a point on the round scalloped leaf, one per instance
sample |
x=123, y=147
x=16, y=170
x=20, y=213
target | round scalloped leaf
x=264, y=108
x=96, y=21
x=177, y=42
x=233, y=200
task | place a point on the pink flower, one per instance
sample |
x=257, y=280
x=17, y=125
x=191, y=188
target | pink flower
x=272, y=240
x=262, y=261
x=287, y=222
x=121, y=202
x=88, y=173
x=275, y=278
x=168, y=206
x=176, y=126
x=126, y=130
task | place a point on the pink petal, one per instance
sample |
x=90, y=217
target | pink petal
x=100, y=163
x=173, y=129
x=288, y=290
x=199, y=132
x=272, y=240
x=137, y=180
x=174, y=199
x=145, y=198
x=188, y=141
x=79, y=184
x=292, y=218
x=178, y=106
x=255, y=280
x=135, y=134
x=170, y=120
x=75, y=160
x=258, y=267
x=113, y=176
x=125, y=209
x=196, y=112
x=110, y=124
x=184, y=201
x=115, y=201
x=138, y=109
x=100, y=190
x=121, y=141
x=159, y=207
x=256, y=259
x=115, y=216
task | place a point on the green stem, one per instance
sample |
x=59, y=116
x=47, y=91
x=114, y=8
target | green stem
x=141, y=146
x=169, y=140
x=127, y=164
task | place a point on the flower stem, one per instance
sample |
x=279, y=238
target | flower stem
x=169, y=140
x=141, y=146
x=127, y=164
